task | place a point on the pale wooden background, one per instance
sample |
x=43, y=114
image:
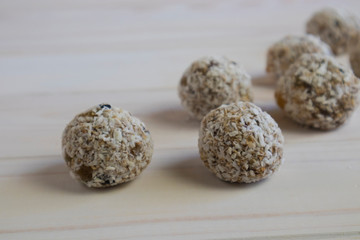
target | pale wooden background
x=60, y=57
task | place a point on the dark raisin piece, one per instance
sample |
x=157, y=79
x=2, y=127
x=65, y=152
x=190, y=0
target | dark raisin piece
x=85, y=173
x=213, y=63
x=105, y=106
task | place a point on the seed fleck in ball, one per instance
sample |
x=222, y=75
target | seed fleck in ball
x=286, y=51
x=318, y=92
x=105, y=146
x=240, y=143
x=212, y=81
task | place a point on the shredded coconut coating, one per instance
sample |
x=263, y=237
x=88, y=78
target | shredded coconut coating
x=318, y=92
x=335, y=27
x=105, y=146
x=355, y=61
x=240, y=143
x=212, y=81
x=285, y=52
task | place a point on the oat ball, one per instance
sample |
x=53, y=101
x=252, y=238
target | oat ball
x=355, y=61
x=284, y=52
x=240, y=143
x=212, y=81
x=105, y=146
x=335, y=27
x=318, y=92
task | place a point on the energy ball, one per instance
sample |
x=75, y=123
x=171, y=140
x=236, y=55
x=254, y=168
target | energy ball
x=334, y=27
x=105, y=146
x=212, y=81
x=355, y=61
x=240, y=143
x=285, y=52
x=318, y=92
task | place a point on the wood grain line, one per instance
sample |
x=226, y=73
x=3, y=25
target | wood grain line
x=90, y=91
x=316, y=236
x=131, y=89
x=188, y=219
x=35, y=174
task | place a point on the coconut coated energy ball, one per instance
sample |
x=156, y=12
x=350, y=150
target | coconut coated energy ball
x=335, y=27
x=240, y=143
x=318, y=92
x=105, y=146
x=285, y=52
x=212, y=81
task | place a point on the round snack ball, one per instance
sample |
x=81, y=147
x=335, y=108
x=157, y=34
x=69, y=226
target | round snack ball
x=355, y=61
x=212, y=81
x=240, y=143
x=334, y=27
x=284, y=52
x=318, y=92
x=105, y=146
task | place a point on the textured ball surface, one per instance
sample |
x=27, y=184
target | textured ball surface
x=212, y=81
x=335, y=27
x=105, y=146
x=318, y=92
x=240, y=143
x=285, y=52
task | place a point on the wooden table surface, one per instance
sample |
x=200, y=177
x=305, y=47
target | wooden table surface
x=60, y=57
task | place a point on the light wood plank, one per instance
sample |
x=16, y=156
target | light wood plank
x=66, y=46
x=168, y=194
